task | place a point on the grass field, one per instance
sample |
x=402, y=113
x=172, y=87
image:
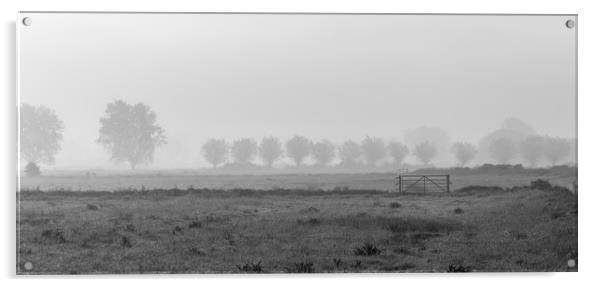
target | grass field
x=203, y=231
x=366, y=181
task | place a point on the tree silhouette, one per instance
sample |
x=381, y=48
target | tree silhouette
x=425, y=152
x=270, y=150
x=298, y=148
x=323, y=152
x=531, y=148
x=373, y=149
x=435, y=136
x=215, y=151
x=130, y=133
x=32, y=169
x=349, y=152
x=512, y=129
x=464, y=152
x=244, y=150
x=398, y=152
x=556, y=149
x=40, y=133
x=518, y=126
x=502, y=150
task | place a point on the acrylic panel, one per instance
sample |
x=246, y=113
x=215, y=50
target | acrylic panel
x=296, y=142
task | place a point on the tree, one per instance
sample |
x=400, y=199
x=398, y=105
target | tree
x=435, y=136
x=425, y=152
x=215, y=151
x=502, y=150
x=298, y=148
x=518, y=126
x=40, y=134
x=32, y=169
x=398, y=152
x=373, y=149
x=531, y=148
x=323, y=152
x=270, y=150
x=130, y=133
x=464, y=152
x=512, y=129
x=349, y=153
x=556, y=149
x=244, y=150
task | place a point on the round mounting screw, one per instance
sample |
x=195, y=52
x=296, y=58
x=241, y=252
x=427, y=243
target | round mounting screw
x=571, y=263
x=26, y=21
x=570, y=24
x=28, y=265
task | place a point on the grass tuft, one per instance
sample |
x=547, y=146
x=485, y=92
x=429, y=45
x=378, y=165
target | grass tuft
x=301, y=267
x=404, y=225
x=394, y=205
x=54, y=236
x=197, y=251
x=458, y=268
x=337, y=262
x=368, y=249
x=93, y=206
x=250, y=267
x=310, y=221
x=126, y=242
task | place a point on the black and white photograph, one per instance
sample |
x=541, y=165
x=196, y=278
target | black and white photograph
x=196, y=143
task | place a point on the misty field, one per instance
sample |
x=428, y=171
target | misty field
x=382, y=181
x=298, y=230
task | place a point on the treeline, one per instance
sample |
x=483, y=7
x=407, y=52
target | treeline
x=130, y=134
x=373, y=151
x=299, y=150
x=533, y=149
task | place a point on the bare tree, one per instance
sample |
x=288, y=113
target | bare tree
x=531, y=149
x=270, y=150
x=556, y=149
x=373, y=149
x=130, y=133
x=323, y=152
x=298, y=148
x=398, y=152
x=215, y=151
x=464, y=152
x=425, y=152
x=502, y=150
x=244, y=150
x=40, y=133
x=349, y=152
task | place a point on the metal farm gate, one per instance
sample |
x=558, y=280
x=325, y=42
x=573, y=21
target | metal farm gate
x=422, y=183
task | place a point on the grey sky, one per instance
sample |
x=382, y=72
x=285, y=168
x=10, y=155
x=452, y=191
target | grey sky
x=323, y=76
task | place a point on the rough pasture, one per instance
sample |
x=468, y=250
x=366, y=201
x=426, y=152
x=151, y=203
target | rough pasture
x=296, y=231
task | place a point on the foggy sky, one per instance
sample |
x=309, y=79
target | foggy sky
x=322, y=76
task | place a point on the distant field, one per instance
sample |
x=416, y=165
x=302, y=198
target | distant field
x=200, y=232
x=372, y=181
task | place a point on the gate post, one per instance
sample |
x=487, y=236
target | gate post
x=447, y=177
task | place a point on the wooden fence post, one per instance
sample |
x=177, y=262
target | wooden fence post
x=447, y=176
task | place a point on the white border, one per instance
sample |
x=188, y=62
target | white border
x=590, y=20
